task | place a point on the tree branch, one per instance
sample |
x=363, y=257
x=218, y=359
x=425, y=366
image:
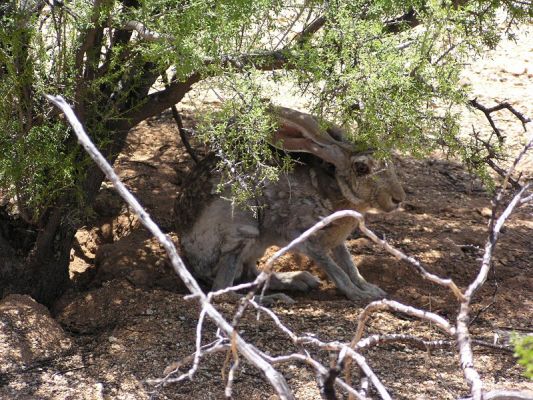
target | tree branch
x=502, y=106
x=260, y=60
x=505, y=395
x=158, y=102
x=309, y=30
x=183, y=135
x=407, y=20
x=143, y=32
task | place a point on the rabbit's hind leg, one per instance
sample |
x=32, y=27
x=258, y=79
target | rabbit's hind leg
x=228, y=269
x=239, y=244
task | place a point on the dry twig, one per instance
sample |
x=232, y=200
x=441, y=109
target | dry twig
x=502, y=106
x=492, y=150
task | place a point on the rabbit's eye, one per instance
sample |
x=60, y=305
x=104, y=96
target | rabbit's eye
x=361, y=168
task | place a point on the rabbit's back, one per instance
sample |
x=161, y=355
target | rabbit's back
x=287, y=207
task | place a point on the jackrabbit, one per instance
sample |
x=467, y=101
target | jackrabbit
x=222, y=245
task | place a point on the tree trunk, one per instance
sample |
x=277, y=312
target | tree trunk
x=47, y=265
x=35, y=261
x=41, y=269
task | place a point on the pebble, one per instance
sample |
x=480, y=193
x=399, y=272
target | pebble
x=99, y=390
x=485, y=212
x=515, y=69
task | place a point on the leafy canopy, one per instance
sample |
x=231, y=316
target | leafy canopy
x=388, y=70
x=524, y=353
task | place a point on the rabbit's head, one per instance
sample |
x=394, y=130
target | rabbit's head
x=370, y=185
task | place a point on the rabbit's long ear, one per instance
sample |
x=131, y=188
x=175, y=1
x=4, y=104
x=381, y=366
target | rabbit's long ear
x=301, y=132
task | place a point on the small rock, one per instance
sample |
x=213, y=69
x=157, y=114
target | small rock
x=452, y=248
x=515, y=69
x=116, y=348
x=28, y=333
x=485, y=212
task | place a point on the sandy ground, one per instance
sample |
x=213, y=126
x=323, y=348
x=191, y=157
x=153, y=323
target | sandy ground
x=126, y=319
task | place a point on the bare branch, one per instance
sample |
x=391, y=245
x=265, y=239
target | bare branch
x=276, y=320
x=401, y=256
x=183, y=135
x=502, y=106
x=395, y=306
x=527, y=199
x=143, y=32
x=361, y=361
x=436, y=319
x=179, y=122
x=309, y=30
x=505, y=395
x=364, y=387
x=492, y=151
x=396, y=25
x=172, y=369
x=228, y=391
x=343, y=348
x=492, y=154
x=463, y=334
x=198, y=353
x=491, y=243
x=196, y=356
x=516, y=161
x=315, y=365
x=376, y=340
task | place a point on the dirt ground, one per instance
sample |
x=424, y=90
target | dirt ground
x=126, y=318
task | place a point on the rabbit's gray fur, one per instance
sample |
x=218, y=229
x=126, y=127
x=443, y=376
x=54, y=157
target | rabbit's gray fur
x=222, y=244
